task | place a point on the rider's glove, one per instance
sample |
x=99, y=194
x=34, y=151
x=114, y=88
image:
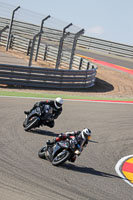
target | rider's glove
x=77, y=152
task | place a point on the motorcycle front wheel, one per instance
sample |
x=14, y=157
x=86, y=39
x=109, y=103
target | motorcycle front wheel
x=61, y=158
x=41, y=152
x=31, y=123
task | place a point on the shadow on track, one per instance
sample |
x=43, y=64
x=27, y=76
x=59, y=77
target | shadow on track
x=43, y=132
x=93, y=141
x=88, y=170
x=100, y=86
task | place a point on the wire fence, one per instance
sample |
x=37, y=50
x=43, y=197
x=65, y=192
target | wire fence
x=47, y=41
x=28, y=16
x=24, y=29
x=31, y=39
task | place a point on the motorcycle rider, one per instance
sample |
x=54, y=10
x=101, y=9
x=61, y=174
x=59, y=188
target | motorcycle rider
x=82, y=138
x=56, y=106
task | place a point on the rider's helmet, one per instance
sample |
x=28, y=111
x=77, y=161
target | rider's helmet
x=58, y=102
x=86, y=134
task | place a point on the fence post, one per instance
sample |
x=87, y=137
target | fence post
x=45, y=53
x=80, y=64
x=77, y=35
x=11, y=42
x=29, y=47
x=32, y=48
x=88, y=65
x=64, y=35
x=2, y=30
x=10, y=29
x=39, y=40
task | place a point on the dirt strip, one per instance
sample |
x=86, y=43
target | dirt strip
x=110, y=83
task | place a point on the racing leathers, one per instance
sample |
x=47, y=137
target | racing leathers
x=55, y=112
x=81, y=142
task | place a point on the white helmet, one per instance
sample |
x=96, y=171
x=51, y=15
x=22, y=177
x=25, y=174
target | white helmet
x=86, y=133
x=58, y=102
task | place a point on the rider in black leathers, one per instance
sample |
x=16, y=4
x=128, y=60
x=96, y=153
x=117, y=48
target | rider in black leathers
x=82, y=138
x=56, y=106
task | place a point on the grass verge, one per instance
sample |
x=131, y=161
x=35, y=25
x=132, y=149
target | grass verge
x=38, y=95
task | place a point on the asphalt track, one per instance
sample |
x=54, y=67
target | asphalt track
x=24, y=176
x=109, y=58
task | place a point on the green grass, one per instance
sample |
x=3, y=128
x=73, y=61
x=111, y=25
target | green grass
x=39, y=95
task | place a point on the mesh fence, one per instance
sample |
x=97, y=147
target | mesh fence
x=28, y=16
x=53, y=46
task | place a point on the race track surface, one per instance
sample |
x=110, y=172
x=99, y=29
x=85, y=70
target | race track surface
x=109, y=58
x=24, y=176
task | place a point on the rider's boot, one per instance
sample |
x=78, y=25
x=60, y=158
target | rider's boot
x=72, y=159
x=50, y=143
x=26, y=112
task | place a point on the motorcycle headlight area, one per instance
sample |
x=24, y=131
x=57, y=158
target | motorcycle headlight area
x=64, y=144
x=73, y=143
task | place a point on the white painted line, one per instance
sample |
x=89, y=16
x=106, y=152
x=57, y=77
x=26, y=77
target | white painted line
x=118, y=168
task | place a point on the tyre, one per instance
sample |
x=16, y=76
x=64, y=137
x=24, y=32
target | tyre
x=31, y=123
x=61, y=158
x=42, y=152
x=25, y=122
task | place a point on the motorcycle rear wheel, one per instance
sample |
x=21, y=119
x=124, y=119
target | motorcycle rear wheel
x=61, y=158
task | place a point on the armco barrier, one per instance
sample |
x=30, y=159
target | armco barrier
x=45, y=45
x=23, y=34
x=38, y=77
x=21, y=40
x=108, y=47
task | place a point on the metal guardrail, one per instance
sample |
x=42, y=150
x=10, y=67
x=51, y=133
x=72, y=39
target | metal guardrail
x=44, y=46
x=23, y=33
x=54, y=46
x=22, y=38
x=106, y=46
x=41, y=44
x=38, y=77
x=50, y=45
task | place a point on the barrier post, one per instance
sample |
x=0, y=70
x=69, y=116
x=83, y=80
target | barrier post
x=88, y=65
x=80, y=64
x=11, y=42
x=45, y=53
x=77, y=35
x=10, y=29
x=29, y=47
x=2, y=30
x=32, y=48
x=39, y=40
x=64, y=35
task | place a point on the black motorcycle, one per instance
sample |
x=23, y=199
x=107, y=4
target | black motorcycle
x=38, y=117
x=60, y=152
